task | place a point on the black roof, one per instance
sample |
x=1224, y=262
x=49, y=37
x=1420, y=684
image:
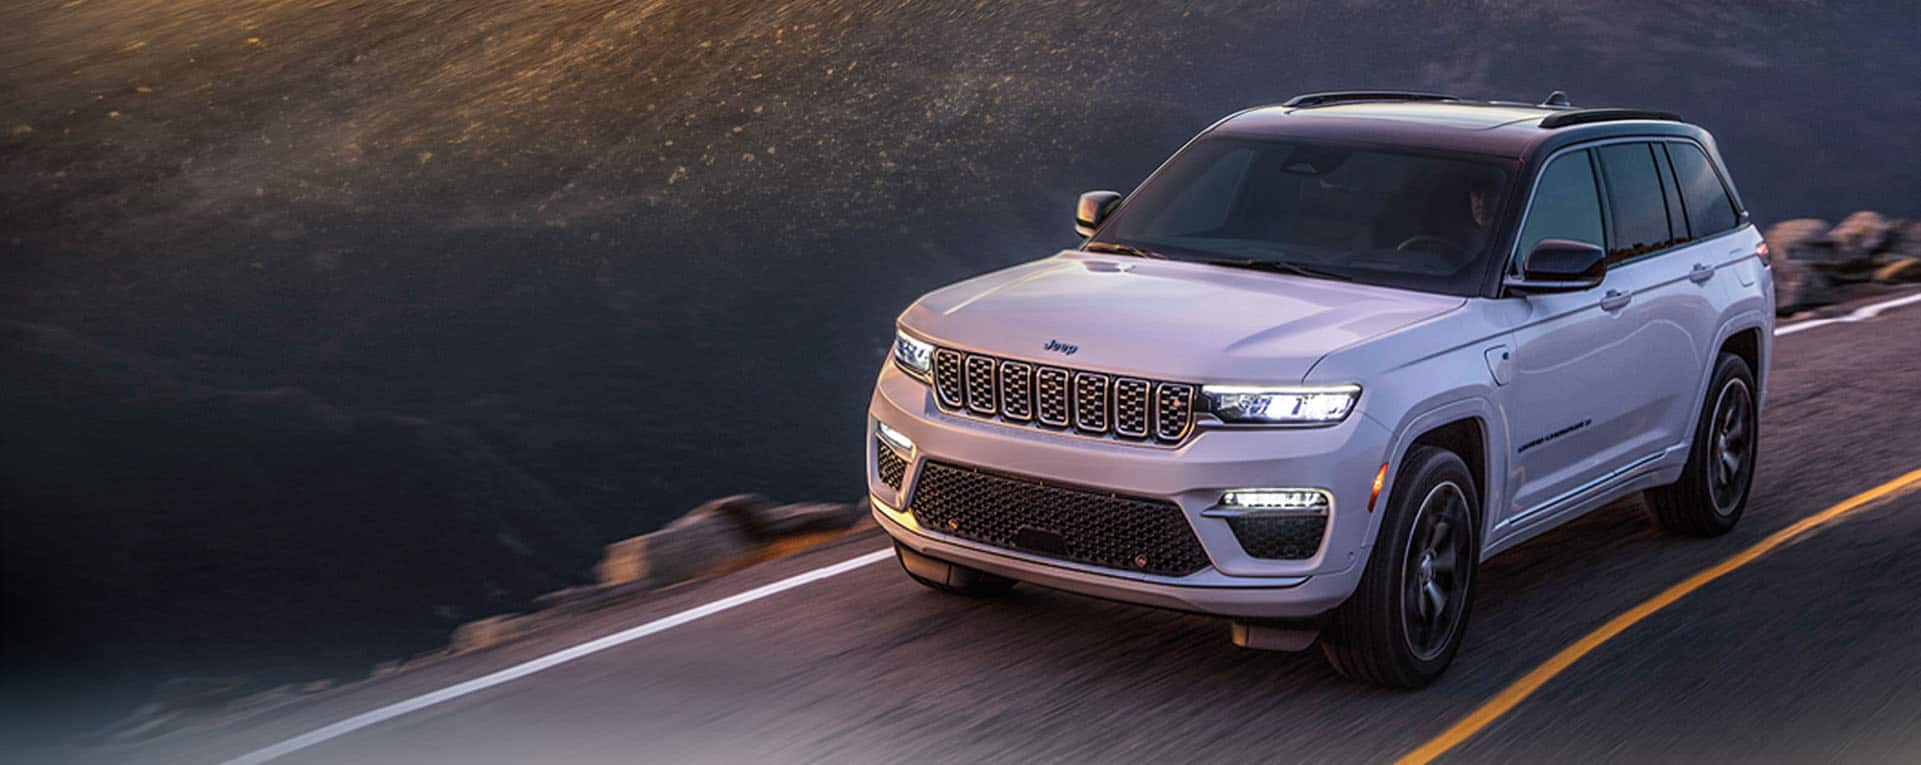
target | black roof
x=1428, y=120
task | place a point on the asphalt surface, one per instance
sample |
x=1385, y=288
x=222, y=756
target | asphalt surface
x=1808, y=654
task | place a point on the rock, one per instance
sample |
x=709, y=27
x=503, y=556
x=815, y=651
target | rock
x=1899, y=270
x=1796, y=248
x=743, y=510
x=714, y=538
x=622, y=562
x=486, y=633
x=1860, y=236
x=568, y=596
x=1798, y=287
x=789, y=520
x=1904, y=240
x=1804, y=239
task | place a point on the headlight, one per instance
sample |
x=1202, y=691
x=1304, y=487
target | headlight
x=915, y=357
x=1281, y=405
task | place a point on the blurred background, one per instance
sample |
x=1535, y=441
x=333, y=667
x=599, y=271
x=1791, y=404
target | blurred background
x=326, y=325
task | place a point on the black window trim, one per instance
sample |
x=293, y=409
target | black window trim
x=1673, y=179
x=1607, y=214
x=1515, y=255
x=1727, y=189
x=1659, y=161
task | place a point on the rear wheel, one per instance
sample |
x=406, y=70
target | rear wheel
x=952, y=578
x=1713, y=490
x=1407, y=617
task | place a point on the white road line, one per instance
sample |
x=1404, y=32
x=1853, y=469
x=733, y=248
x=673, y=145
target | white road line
x=1863, y=313
x=597, y=645
x=563, y=656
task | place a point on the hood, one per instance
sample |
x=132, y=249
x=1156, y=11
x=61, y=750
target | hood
x=1163, y=319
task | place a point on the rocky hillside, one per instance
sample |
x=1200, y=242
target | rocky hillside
x=333, y=322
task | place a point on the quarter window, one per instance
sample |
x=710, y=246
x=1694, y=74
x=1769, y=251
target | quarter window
x=1709, y=209
x=1566, y=204
x=1636, y=200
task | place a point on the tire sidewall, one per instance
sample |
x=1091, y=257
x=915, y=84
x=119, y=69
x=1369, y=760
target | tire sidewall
x=1730, y=367
x=1426, y=469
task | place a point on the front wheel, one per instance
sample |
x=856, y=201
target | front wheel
x=1713, y=490
x=1407, y=617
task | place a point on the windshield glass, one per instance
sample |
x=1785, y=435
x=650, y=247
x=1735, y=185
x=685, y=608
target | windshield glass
x=1398, y=219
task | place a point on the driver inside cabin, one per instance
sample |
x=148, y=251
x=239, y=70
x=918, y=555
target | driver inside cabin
x=1463, y=219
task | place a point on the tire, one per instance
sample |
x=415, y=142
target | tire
x=1713, y=490
x=1382, y=637
x=950, y=578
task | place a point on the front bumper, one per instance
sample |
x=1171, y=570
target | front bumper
x=1342, y=459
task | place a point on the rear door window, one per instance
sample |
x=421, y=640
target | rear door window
x=1567, y=205
x=1710, y=210
x=1637, y=203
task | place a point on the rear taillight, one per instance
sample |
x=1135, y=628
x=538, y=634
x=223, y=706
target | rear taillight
x=1761, y=251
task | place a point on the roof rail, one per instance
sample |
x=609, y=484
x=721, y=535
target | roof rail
x=1340, y=96
x=1585, y=116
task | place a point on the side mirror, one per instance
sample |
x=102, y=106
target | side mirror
x=1559, y=265
x=1094, y=207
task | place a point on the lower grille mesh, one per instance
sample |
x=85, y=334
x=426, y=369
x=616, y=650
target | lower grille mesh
x=892, y=468
x=1279, y=537
x=1128, y=533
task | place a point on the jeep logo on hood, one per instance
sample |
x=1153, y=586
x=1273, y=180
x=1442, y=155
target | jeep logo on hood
x=1056, y=345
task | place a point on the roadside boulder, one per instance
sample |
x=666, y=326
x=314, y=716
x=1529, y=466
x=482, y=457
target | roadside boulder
x=1797, y=250
x=711, y=539
x=1904, y=240
x=1802, y=239
x=808, y=518
x=487, y=633
x=1899, y=270
x=1859, y=237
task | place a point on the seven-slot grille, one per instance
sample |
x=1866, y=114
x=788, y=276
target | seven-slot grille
x=1095, y=528
x=1089, y=402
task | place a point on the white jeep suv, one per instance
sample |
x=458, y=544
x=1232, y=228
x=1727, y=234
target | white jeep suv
x=1329, y=357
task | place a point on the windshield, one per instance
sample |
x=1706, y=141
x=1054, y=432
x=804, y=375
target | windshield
x=1414, y=221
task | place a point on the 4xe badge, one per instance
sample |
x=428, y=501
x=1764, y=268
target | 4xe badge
x=1056, y=345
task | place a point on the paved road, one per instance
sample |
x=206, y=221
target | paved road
x=1807, y=654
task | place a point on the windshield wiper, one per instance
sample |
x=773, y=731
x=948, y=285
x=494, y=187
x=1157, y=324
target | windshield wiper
x=1275, y=266
x=1123, y=249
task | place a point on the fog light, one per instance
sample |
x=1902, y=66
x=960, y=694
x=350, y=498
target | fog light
x=894, y=438
x=1285, y=500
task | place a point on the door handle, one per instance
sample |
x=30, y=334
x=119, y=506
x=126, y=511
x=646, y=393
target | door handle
x=1616, y=300
x=1700, y=273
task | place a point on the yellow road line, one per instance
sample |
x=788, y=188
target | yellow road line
x=1517, y=692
